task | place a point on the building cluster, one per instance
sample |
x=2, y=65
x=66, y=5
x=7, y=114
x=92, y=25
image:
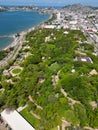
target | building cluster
x=14, y=121
x=76, y=17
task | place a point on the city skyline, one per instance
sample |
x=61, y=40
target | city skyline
x=49, y=2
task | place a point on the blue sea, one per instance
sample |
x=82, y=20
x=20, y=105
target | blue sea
x=12, y=22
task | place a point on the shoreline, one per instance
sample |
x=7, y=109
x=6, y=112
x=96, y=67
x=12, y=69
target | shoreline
x=18, y=39
x=18, y=42
x=23, y=34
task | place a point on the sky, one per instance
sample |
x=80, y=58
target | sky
x=49, y=2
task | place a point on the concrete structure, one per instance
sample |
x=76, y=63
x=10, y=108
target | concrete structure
x=93, y=72
x=49, y=26
x=15, y=121
x=65, y=124
x=66, y=32
x=59, y=16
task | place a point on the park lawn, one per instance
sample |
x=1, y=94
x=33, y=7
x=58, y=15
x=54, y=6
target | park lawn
x=30, y=118
x=16, y=71
x=54, y=128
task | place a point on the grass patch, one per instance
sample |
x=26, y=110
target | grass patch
x=55, y=67
x=55, y=128
x=16, y=71
x=71, y=117
x=29, y=117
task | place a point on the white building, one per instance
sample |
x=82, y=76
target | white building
x=73, y=22
x=15, y=121
x=59, y=16
x=49, y=26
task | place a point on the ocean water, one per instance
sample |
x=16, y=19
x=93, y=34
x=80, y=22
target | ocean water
x=5, y=42
x=13, y=22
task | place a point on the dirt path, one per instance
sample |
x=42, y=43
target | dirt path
x=35, y=115
x=71, y=101
x=2, y=127
x=31, y=99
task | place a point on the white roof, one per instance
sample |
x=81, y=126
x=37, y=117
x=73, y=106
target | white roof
x=83, y=59
x=15, y=120
x=73, y=22
x=66, y=32
x=49, y=26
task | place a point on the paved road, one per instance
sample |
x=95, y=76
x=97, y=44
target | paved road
x=90, y=39
x=12, y=55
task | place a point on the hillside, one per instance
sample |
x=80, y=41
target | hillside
x=79, y=8
x=54, y=86
x=53, y=81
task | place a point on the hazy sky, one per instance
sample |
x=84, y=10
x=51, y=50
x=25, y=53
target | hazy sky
x=48, y=2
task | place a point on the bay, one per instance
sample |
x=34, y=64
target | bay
x=12, y=22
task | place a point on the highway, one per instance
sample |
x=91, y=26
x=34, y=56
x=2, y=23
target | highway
x=18, y=46
x=12, y=55
x=91, y=37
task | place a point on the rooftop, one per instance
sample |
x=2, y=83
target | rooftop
x=84, y=59
x=15, y=120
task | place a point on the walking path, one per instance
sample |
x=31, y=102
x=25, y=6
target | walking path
x=38, y=106
x=35, y=115
x=2, y=127
x=71, y=101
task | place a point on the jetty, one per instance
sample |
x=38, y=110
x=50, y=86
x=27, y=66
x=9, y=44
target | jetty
x=7, y=36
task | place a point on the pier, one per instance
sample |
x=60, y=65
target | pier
x=7, y=36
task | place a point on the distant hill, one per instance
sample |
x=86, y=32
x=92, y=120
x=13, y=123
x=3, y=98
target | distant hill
x=78, y=7
x=6, y=8
x=94, y=7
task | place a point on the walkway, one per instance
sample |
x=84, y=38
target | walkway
x=2, y=127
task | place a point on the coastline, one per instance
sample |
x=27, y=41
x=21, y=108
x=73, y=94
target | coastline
x=22, y=34
x=17, y=44
x=19, y=39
